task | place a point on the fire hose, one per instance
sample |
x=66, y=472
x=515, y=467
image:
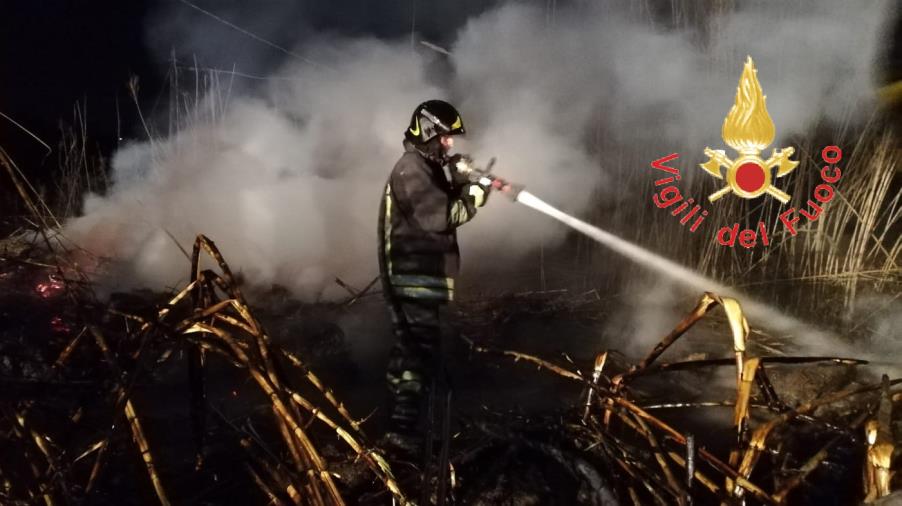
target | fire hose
x=760, y=311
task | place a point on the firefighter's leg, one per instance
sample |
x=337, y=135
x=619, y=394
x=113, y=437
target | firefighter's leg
x=410, y=370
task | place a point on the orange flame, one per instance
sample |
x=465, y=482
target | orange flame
x=748, y=127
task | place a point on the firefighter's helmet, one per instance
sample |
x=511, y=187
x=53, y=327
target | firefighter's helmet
x=432, y=118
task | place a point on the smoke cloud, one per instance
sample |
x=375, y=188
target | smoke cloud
x=286, y=178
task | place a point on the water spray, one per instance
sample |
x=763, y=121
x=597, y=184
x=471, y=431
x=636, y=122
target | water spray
x=642, y=256
x=758, y=311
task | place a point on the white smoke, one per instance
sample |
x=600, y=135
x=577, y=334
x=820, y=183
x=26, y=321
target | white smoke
x=288, y=201
x=288, y=183
x=651, y=309
x=879, y=318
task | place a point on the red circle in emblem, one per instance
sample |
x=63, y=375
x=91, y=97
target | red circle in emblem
x=750, y=177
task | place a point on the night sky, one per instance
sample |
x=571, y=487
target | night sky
x=56, y=53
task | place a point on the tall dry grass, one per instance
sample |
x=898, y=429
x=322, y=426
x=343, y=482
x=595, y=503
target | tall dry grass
x=852, y=248
x=81, y=168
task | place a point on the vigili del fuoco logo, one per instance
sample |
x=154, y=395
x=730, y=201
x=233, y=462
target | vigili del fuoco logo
x=748, y=129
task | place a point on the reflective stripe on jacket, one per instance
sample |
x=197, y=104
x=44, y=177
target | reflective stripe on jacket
x=418, y=218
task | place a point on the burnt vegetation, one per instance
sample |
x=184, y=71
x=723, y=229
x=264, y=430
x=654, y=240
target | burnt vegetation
x=89, y=388
x=197, y=396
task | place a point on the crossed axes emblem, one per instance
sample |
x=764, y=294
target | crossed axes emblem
x=749, y=175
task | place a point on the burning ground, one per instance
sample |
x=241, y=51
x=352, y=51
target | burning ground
x=200, y=396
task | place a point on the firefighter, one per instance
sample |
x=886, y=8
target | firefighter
x=422, y=206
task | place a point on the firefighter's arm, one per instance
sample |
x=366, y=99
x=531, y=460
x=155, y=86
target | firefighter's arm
x=421, y=199
x=469, y=192
x=463, y=207
x=430, y=206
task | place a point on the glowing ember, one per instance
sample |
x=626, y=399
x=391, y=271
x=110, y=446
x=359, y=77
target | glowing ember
x=57, y=324
x=50, y=288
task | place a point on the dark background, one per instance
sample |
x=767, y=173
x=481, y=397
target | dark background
x=56, y=53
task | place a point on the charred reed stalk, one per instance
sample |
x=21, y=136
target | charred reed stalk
x=644, y=450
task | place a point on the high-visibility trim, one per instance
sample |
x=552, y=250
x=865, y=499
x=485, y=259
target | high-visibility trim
x=478, y=195
x=457, y=124
x=421, y=280
x=386, y=228
x=422, y=292
x=459, y=213
x=409, y=377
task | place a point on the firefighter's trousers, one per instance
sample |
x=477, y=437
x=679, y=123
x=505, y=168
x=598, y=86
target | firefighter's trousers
x=414, y=361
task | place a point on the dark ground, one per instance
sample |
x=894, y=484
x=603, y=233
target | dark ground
x=507, y=416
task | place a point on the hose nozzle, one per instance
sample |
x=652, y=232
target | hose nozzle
x=484, y=177
x=498, y=184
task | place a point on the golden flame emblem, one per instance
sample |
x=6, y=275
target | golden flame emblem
x=748, y=129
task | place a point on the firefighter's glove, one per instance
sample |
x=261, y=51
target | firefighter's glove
x=461, y=169
x=477, y=193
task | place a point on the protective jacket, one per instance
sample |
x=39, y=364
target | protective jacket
x=420, y=212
